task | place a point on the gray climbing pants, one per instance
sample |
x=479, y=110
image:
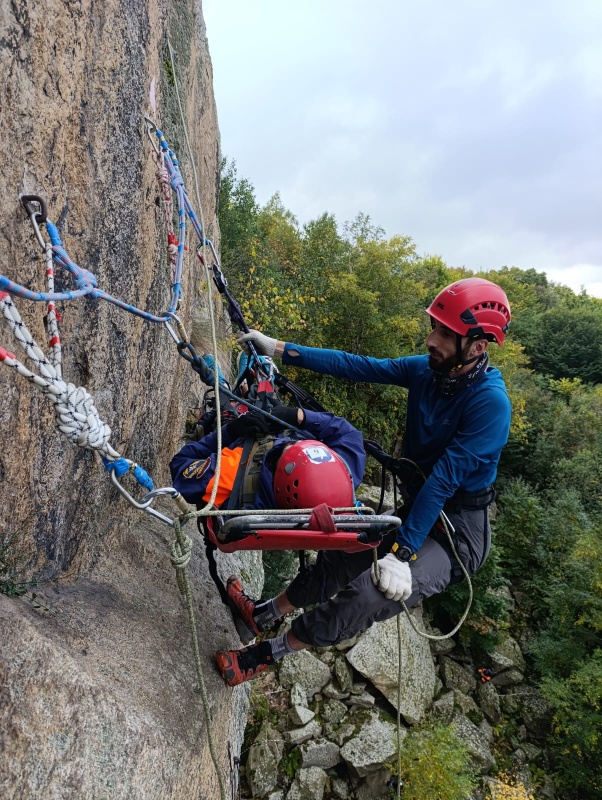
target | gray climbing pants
x=349, y=603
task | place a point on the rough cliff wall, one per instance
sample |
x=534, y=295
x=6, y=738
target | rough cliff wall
x=96, y=696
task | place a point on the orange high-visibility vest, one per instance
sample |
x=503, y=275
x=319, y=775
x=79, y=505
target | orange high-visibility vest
x=227, y=476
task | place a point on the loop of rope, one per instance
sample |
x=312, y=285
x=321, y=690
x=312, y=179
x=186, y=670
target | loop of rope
x=76, y=416
x=431, y=636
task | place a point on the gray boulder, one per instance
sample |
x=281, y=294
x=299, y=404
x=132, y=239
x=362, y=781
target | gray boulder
x=306, y=670
x=363, y=700
x=440, y=647
x=374, y=743
x=486, y=731
x=375, y=657
x=299, y=735
x=467, y=706
x=264, y=756
x=300, y=715
x=455, y=676
x=537, y=714
x=343, y=674
x=374, y=786
x=320, y=753
x=332, y=693
x=510, y=677
x=298, y=695
x=506, y=655
x=339, y=734
x=308, y=784
x=489, y=701
x=339, y=789
x=480, y=753
x=333, y=711
x=443, y=708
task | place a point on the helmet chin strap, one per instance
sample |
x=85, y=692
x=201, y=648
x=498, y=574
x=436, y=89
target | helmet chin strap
x=461, y=363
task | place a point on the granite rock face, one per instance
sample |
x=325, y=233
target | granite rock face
x=98, y=694
x=76, y=82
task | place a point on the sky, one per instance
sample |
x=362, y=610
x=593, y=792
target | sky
x=473, y=126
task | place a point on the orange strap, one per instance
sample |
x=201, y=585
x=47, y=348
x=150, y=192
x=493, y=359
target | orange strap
x=227, y=476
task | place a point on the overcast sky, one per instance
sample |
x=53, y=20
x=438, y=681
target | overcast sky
x=475, y=127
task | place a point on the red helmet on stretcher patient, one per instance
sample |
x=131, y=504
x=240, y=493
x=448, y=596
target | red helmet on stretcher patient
x=308, y=474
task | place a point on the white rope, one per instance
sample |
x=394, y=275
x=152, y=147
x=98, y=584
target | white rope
x=209, y=508
x=76, y=415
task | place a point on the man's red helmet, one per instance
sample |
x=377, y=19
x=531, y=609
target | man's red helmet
x=473, y=307
x=308, y=473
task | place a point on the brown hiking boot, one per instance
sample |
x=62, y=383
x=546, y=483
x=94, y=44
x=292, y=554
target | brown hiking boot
x=238, y=666
x=241, y=603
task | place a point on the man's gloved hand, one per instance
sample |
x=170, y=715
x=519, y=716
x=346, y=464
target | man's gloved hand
x=288, y=415
x=395, y=578
x=264, y=345
x=249, y=424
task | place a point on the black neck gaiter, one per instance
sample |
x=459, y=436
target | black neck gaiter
x=450, y=386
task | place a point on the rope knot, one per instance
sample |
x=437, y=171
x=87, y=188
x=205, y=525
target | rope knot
x=181, y=551
x=77, y=416
x=85, y=279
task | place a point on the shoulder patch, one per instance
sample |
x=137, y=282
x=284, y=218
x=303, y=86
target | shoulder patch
x=196, y=469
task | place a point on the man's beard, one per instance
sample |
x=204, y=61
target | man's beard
x=443, y=366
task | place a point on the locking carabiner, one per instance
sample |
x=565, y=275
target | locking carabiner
x=36, y=215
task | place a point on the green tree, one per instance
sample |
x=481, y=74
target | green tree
x=238, y=220
x=568, y=344
x=577, y=729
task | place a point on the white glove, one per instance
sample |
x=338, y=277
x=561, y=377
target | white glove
x=395, y=580
x=264, y=345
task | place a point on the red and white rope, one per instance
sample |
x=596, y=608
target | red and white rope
x=167, y=197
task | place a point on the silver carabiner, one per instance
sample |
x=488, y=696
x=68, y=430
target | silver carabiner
x=35, y=215
x=150, y=130
x=147, y=500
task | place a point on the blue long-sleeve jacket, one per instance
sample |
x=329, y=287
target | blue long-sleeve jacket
x=456, y=441
x=335, y=432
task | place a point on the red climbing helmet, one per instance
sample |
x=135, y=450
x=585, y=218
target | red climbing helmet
x=308, y=473
x=473, y=307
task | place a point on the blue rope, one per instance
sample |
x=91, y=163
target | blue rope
x=86, y=283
